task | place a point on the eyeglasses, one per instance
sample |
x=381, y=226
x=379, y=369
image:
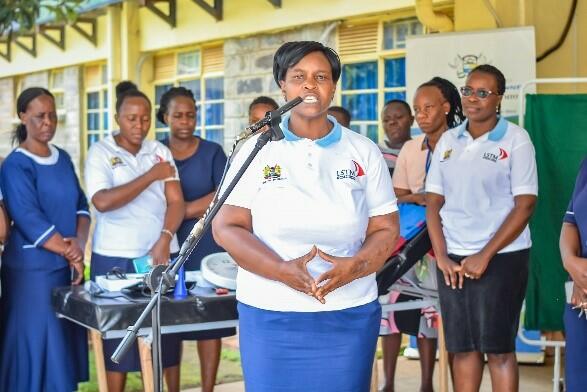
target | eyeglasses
x=116, y=273
x=480, y=93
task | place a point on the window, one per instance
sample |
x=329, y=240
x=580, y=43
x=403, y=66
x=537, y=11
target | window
x=373, y=71
x=57, y=88
x=96, y=113
x=199, y=70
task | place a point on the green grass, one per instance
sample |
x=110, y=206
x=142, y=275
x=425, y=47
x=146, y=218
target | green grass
x=229, y=370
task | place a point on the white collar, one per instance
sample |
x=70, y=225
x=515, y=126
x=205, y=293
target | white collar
x=50, y=160
x=146, y=146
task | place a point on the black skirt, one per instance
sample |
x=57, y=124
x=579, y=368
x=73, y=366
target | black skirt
x=483, y=316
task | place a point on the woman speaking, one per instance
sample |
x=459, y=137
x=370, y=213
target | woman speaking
x=309, y=224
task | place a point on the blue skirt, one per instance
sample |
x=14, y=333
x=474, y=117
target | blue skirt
x=131, y=362
x=39, y=352
x=575, y=350
x=308, y=351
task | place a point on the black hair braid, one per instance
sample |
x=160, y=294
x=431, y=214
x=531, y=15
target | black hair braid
x=455, y=115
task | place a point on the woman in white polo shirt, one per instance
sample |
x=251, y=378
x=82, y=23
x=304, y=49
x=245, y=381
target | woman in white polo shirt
x=309, y=224
x=481, y=191
x=133, y=184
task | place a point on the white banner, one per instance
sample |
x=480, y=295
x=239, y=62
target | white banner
x=453, y=55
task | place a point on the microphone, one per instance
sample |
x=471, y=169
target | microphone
x=267, y=119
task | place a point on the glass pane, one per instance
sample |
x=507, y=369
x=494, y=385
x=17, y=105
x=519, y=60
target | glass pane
x=198, y=131
x=416, y=28
x=369, y=130
x=214, y=88
x=373, y=132
x=388, y=41
x=105, y=120
x=93, y=100
x=105, y=99
x=215, y=135
x=361, y=106
x=160, y=90
x=59, y=100
x=215, y=114
x=193, y=85
x=395, y=72
x=104, y=74
x=359, y=76
x=93, y=121
x=401, y=33
x=395, y=95
x=188, y=63
x=161, y=135
x=92, y=138
x=158, y=124
x=57, y=79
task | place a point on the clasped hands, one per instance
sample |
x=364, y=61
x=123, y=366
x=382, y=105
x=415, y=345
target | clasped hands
x=74, y=254
x=577, y=268
x=471, y=267
x=294, y=273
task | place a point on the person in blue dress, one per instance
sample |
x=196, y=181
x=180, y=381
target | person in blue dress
x=200, y=164
x=133, y=184
x=49, y=211
x=573, y=249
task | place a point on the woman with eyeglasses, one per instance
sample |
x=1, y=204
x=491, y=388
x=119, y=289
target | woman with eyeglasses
x=134, y=186
x=437, y=107
x=481, y=191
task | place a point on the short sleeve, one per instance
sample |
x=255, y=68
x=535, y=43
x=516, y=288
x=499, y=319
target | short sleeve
x=218, y=164
x=379, y=193
x=434, y=176
x=524, y=178
x=167, y=156
x=400, y=173
x=98, y=171
x=82, y=202
x=248, y=186
x=580, y=184
x=22, y=203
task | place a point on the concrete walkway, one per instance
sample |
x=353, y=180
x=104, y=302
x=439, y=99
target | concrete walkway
x=534, y=378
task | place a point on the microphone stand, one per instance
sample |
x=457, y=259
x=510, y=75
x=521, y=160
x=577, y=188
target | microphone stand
x=161, y=277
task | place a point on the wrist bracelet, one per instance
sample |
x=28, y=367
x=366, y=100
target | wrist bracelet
x=168, y=232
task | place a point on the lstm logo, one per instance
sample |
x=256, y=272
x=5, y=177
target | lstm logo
x=502, y=154
x=355, y=171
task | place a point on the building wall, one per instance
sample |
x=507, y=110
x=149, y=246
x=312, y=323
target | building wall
x=129, y=34
x=7, y=104
x=68, y=128
x=549, y=18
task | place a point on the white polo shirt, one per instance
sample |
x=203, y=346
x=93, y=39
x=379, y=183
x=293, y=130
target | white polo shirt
x=303, y=193
x=479, y=179
x=132, y=230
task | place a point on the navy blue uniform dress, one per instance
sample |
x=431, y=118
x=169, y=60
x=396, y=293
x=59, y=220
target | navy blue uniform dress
x=39, y=352
x=576, y=327
x=199, y=175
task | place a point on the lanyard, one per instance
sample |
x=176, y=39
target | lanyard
x=428, y=157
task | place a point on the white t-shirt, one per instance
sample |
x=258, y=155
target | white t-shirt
x=132, y=230
x=479, y=179
x=303, y=193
